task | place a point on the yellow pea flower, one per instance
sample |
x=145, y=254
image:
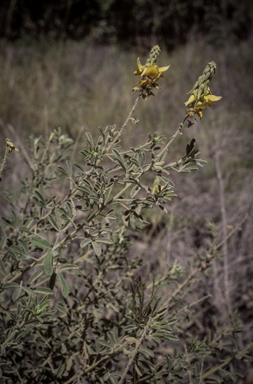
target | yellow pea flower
x=11, y=146
x=149, y=75
x=153, y=71
x=140, y=68
x=204, y=101
x=150, y=72
x=191, y=100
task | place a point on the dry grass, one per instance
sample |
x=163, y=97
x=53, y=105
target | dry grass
x=80, y=87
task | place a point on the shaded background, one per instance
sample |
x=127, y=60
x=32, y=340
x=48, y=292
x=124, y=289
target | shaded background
x=130, y=22
x=70, y=64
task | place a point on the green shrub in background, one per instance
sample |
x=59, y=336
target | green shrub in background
x=75, y=304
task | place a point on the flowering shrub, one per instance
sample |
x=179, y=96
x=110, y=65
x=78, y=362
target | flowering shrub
x=74, y=308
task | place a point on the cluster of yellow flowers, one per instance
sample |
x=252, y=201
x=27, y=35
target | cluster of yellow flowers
x=150, y=72
x=200, y=95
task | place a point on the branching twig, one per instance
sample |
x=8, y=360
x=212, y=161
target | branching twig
x=226, y=362
x=134, y=353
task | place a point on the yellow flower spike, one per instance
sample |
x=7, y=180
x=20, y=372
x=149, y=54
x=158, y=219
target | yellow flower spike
x=152, y=71
x=200, y=95
x=149, y=73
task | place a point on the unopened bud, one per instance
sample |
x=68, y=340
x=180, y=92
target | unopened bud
x=154, y=53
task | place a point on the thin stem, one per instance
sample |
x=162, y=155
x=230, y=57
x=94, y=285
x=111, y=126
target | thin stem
x=176, y=134
x=230, y=233
x=4, y=161
x=226, y=362
x=122, y=191
x=135, y=351
x=93, y=366
x=224, y=230
x=180, y=286
x=124, y=125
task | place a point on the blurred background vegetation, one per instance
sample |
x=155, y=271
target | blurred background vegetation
x=131, y=22
x=70, y=63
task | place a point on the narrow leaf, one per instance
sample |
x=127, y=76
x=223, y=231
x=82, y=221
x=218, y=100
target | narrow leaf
x=46, y=291
x=48, y=264
x=78, y=165
x=108, y=192
x=134, y=191
x=171, y=337
x=53, y=222
x=85, y=242
x=68, y=266
x=28, y=290
x=24, y=245
x=83, y=189
x=65, y=288
x=39, y=196
x=34, y=276
x=63, y=171
x=69, y=167
x=119, y=159
x=16, y=249
x=40, y=243
x=96, y=248
x=105, y=241
x=10, y=285
x=16, y=294
x=90, y=139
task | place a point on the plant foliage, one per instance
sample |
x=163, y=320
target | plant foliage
x=73, y=305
